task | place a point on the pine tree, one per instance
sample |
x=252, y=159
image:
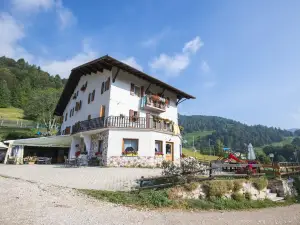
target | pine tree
x=4, y=95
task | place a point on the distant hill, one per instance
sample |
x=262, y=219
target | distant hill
x=208, y=129
x=293, y=129
x=19, y=79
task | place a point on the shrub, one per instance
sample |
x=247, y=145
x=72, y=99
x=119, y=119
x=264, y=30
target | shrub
x=237, y=196
x=237, y=185
x=155, y=198
x=248, y=196
x=230, y=185
x=216, y=188
x=191, y=186
x=260, y=183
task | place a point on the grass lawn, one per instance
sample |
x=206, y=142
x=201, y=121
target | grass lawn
x=160, y=199
x=198, y=155
x=189, y=136
x=11, y=113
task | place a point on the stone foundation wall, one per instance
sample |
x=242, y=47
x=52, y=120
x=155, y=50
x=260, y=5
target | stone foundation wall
x=134, y=161
x=95, y=138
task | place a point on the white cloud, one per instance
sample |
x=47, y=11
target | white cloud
x=32, y=5
x=173, y=65
x=193, y=45
x=154, y=40
x=132, y=62
x=205, y=67
x=11, y=33
x=64, y=67
x=65, y=15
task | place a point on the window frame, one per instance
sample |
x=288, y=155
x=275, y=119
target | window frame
x=130, y=154
x=161, y=148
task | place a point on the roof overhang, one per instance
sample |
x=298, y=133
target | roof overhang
x=107, y=62
x=52, y=141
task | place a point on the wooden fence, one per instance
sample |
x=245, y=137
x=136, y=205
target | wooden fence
x=282, y=169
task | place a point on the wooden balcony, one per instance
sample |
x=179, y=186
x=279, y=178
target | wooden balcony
x=121, y=122
x=148, y=103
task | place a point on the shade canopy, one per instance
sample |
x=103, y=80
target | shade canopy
x=2, y=145
x=52, y=141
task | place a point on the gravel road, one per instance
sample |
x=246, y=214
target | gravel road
x=24, y=202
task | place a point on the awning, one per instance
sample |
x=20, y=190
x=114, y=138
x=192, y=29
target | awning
x=3, y=145
x=52, y=141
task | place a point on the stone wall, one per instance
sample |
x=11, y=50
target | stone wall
x=134, y=161
x=95, y=138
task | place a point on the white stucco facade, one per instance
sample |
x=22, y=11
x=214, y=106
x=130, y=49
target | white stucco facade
x=119, y=101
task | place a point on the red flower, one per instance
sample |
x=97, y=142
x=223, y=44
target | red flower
x=97, y=153
x=77, y=153
x=158, y=153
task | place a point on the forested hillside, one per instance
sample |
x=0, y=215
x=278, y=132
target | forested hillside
x=231, y=133
x=20, y=81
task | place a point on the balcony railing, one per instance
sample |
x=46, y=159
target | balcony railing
x=121, y=122
x=154, y=103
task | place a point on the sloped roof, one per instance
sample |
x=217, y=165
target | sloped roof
x=107, y=62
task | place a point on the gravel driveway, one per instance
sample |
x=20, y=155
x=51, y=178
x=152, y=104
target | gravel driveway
x=82, y=177
x=24, y=202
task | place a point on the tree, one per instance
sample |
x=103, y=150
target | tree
x=4, y=95
x=41, y=107
x=296, y=141
x=219, y=148
x=297, y=133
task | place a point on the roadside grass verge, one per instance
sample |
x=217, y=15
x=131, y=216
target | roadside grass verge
x=160, y=199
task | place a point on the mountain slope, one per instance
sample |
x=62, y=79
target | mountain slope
x=232, y=133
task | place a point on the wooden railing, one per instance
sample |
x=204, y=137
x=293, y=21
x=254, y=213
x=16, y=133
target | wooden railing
x=121, y=122
x=282, y=168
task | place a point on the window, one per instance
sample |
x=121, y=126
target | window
x=136, y=90
x=89, y=99
x=102, y=88
x=93, y=95
x=130, y=147
x=66, y=117
x=70, y=113
x=133, y=115
x=158, y=148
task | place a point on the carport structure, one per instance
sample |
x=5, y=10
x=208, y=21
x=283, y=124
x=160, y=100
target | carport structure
x=55, y=147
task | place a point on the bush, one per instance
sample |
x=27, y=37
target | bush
x=237, y=196
x=230, y=185
x=237, y=185
x=248, y=196
x=216, y=188
x=191, y=186
x=260, y=183
x=155, y=198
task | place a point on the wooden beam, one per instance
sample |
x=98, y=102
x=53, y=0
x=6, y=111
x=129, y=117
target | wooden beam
x=148, y=88
x=82, y=71
x=161, y=94
x=180, y=101
x=92, y=68
x=99, y=68
x=105, y=66
x=114, y=79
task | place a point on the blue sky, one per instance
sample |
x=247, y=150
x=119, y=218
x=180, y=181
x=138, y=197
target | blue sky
x=241, y=59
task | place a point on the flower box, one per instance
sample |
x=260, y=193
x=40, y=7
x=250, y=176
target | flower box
x=159, y=154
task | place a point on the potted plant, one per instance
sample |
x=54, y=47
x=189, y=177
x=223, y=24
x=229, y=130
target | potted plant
x=159, y=154
x=155, y=97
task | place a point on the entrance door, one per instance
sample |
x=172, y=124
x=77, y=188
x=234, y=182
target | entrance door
x=170, y=151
